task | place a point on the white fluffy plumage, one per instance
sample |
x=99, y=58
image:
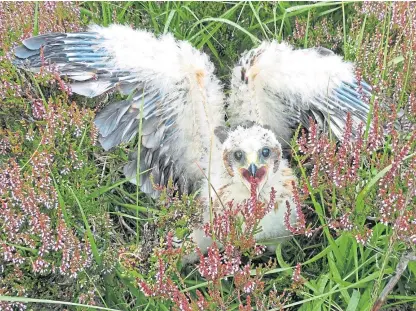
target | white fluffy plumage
x=185, y=77
x=173, y=90
x=280, y=82
x=250, y=139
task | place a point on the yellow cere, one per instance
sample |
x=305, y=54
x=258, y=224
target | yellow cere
x=252, y=158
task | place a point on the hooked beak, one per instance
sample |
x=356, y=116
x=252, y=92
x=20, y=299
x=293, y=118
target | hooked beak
x=252, y=169
x=254, y=173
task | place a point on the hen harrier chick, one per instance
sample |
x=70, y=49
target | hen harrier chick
x=172, y=87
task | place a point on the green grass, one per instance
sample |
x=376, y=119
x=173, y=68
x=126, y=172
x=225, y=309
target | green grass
x=108, y=214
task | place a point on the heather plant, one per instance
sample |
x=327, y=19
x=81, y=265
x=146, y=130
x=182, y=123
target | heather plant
x=74, y=234
x=228, y=270
x=45, y=139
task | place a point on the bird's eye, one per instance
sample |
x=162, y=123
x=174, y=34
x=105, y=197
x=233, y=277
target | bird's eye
x=238, y=155
x=265, y=152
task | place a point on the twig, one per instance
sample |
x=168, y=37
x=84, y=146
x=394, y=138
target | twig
x=125, y=225
x=401, y=266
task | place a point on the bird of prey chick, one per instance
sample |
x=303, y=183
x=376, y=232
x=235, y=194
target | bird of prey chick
x=173, y=90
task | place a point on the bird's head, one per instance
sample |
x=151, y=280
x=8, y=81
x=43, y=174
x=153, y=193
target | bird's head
x=250, y=152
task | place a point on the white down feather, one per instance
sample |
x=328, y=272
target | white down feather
x=184, y=75
x=292, y=74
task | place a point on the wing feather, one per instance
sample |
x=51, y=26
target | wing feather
x=170, y=84
x=280, y=87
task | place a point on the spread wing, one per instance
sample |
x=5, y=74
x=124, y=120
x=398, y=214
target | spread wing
x=280, y=87
x=171, y=88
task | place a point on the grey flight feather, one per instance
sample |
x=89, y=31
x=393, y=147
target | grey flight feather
x=176, y=99
x=169, y=81
x=281, y=87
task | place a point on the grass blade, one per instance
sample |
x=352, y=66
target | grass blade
x=36, y=19
x=90, y=236
x=168, y=21
x=373, y=181
x=55, y=302
x=231, y=23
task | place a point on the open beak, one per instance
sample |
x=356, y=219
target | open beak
x=255, y=172
x=252, y=169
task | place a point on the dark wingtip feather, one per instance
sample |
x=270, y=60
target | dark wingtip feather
x=123, y=133
x=23, y=52
x=324, y=51
x=108, y=118
x=35, y=43
x=129, y=170
x=91, y=88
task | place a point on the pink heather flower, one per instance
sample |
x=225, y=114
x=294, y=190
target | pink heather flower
x=300, y=226
x=38, y=109
x=345, y=222
x=211, y=267
x=364, y=237
x=296, y=277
